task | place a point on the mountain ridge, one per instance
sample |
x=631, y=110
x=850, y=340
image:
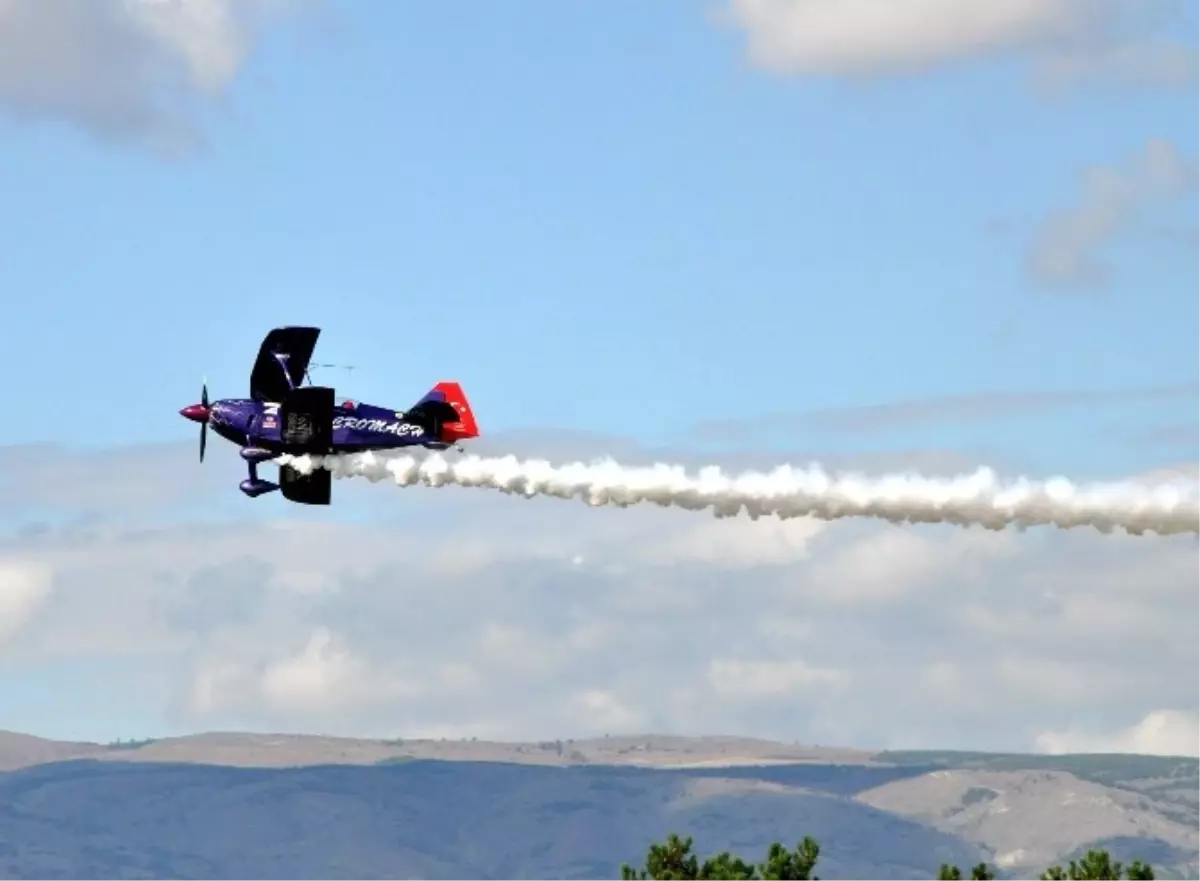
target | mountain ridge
x=233, y=747
x=230, y=804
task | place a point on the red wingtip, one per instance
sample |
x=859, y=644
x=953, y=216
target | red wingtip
x=466, y=427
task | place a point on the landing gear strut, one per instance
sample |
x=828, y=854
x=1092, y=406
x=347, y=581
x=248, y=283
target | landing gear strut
x=254, y=486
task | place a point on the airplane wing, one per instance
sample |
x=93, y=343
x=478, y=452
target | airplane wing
x=306, y=489
x=306, y=420
x=283, y=355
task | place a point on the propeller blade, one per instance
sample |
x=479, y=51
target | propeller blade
x=204, y=392
x=203, y=438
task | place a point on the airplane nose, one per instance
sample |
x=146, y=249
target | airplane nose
x=196, y=413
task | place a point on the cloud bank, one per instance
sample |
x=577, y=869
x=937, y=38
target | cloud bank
x=456, y=614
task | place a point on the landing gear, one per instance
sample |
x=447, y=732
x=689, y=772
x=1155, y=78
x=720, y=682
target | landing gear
x=254, y=486
x=441, y=446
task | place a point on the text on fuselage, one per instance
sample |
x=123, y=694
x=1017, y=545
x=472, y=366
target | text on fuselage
x=380, y=426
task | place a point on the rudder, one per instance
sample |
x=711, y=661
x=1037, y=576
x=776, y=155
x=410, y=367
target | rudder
x=445, y=414
x=466, y=426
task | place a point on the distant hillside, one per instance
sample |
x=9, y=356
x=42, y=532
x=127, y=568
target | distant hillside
x=421, y=819
x=286, y=750
x=254, y=806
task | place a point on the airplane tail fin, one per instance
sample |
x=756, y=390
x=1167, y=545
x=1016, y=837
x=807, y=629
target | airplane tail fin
x=463, y=426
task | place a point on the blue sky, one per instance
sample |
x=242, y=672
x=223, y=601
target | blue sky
x=617, y=218
x=574, y=210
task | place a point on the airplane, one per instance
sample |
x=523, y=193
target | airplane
x=284, y=416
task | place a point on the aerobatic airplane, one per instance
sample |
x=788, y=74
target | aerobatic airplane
x=284, y=416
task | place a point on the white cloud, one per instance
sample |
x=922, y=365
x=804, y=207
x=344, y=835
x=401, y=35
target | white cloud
x=126, y=68
x=1064, y=251
x=23, y=588
x=856, y=37
x=872, y=566
x=758, y=679
x=496, y=617
x=603, y=710
x=1154, y=62
x=1161, y=732
x=1052, y=680
x=320, y=675
x=1069, y=41
x=742, y=542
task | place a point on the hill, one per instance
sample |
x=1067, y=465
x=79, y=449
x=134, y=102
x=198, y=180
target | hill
x=285, y=750
x=258, y=806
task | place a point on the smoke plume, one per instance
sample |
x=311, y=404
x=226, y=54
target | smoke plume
x=979, y=499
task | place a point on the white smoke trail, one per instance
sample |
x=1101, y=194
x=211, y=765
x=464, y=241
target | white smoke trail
x=975, y=499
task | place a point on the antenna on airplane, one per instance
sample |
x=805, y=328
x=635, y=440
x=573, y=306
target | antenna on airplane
x=347, y=367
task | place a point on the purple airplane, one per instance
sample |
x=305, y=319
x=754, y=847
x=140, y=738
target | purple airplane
x=283, y=416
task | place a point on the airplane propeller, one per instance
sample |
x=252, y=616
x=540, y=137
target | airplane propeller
x=204, y=424
x=199, y=413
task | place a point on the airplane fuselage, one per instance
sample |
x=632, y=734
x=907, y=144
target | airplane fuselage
x=356, y=427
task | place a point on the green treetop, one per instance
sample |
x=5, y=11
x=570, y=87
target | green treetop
x=674, y=860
